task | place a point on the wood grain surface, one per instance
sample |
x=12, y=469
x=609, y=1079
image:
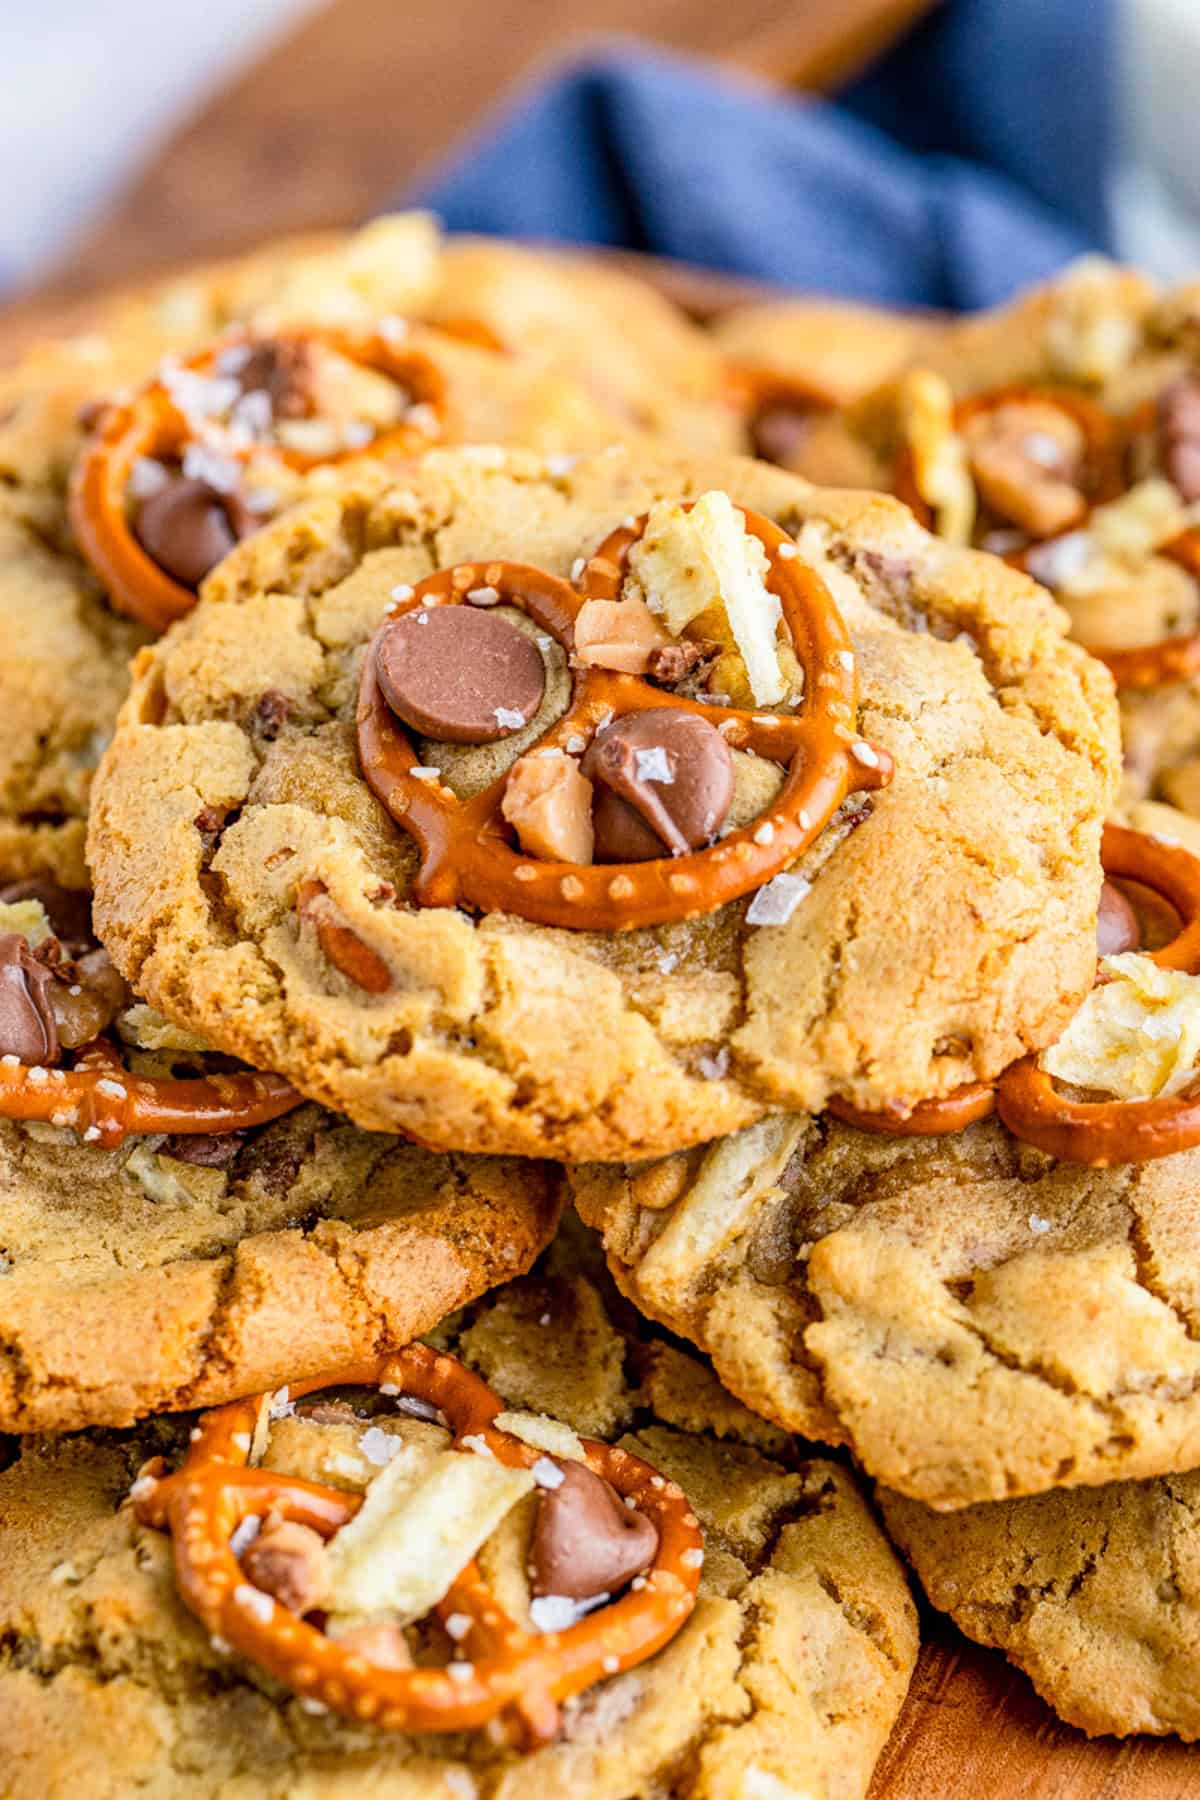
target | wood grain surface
x=338, y=117
x=972, y=1728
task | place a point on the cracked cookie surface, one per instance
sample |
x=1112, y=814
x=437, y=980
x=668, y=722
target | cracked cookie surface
x=972, y=1318
x=1094, y=1593
x=949, y=923
x=65, y=668
x=786, y=1678
x=132, y=1280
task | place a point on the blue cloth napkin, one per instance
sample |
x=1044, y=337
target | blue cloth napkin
x=967, y=165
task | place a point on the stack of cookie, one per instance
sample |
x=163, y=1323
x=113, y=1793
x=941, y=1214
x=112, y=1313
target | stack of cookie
x=498, y=796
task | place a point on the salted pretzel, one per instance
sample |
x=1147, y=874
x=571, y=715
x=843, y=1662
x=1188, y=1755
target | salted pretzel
x=1104, y=448
x=151, y=424
x=101, y=1100
x=1077, y=1131
x=928, y=1118
x=1101, y=1132
x=758, y=390
x=1140, y=666
x=508, y=1674
x=466, y=859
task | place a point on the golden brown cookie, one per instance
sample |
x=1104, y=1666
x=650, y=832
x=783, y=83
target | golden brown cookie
x=972, y=1318
x=800, y=359
x=174, y=1231
x=785, y=1679
x=935, y=930
x=1063, y=432
x=636, y=353
x=1093, y=1593
x=136, y=1279
x=66, y=648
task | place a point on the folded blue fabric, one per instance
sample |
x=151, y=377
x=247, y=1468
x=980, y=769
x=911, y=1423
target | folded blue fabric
x=660, y=153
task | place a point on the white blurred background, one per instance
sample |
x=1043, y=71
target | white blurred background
x=88, y=88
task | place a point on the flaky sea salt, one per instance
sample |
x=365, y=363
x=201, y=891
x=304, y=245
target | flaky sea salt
x=558, y=1612
x=654, y=765
x=378, y=1446
x=775, y=903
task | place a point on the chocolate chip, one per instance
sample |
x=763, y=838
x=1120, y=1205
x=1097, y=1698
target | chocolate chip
x=671, y=663
x=285, y=370
x=189, y=525
x=1117, y=928
x=271, y=715
x=778, y=430
x=664, y=782
x=1179, y=434
x=206, y=1150
x=69, y=911
x=460, y=675
x=27, y=1029
x=586, y=1541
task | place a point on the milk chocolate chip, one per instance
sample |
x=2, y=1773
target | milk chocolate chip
x=87, y=1005
x=27, y=1028
x=1179, y=432
x=460, y=675
x=586, y=1541
x=664, y=783
x=778, y=429
x=1117, y=928
x=188, y=526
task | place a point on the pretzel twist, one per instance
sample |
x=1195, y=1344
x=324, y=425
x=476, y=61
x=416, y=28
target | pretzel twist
x=104, y=1103
x=513, y=1676
x=1104, y=447
x=1102, y=1132
x=928, y=1118
x=466, y=858
x=150, y=424
x=1093, y=1132
x=1142, y=666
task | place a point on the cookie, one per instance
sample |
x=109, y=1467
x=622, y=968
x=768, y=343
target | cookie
x=934, y=930
x=174, y=1232
x=800, y=358
x=635, y=352
x=151, y=527
x=1092, y=1593
x=136, y=1280
x=972, y=1318
x=1063, y=432
x=786, y=1677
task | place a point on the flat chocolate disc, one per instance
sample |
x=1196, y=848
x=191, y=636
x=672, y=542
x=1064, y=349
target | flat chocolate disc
x=664, y=784
x=459, y=675
x=188, y=526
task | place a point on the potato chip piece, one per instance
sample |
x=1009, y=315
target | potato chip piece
x=1136, y=1036
x=686, y=562
x=424, y=1516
